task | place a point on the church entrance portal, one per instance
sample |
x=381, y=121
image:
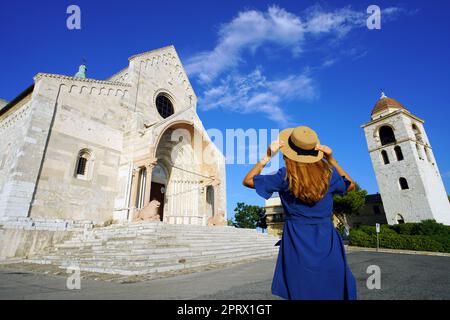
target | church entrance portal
x=158, y=188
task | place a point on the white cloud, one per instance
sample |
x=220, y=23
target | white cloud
x=253, y=93
x=252, y=30
x=248, y=31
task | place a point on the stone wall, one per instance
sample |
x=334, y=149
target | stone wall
x=24, y=237
x=88, y=116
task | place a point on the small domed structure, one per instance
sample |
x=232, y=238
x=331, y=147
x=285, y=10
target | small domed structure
x=385, y=103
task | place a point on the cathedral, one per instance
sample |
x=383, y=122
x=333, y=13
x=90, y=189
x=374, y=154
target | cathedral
x=407, y=174
x=132, y=146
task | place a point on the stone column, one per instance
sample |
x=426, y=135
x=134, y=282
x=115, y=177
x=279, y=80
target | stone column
x=134, y=189
x=148, y=182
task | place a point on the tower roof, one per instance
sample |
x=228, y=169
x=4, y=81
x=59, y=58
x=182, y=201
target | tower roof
x=385, y=103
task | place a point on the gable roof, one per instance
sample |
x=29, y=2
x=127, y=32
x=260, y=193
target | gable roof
x=14, y=101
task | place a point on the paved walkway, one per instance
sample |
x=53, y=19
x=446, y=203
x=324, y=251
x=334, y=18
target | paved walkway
x=402, y=277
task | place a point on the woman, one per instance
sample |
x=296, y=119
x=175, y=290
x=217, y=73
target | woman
x=311, y=262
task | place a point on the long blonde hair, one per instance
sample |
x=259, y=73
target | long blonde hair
x=308, y=182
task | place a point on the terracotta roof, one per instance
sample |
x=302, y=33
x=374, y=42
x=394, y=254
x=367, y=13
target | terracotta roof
x=385, y=103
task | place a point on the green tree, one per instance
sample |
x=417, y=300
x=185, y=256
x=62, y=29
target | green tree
x=230, y=222
x=247, y=216
x=349, y=204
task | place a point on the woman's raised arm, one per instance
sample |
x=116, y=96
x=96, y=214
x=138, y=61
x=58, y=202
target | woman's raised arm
x=257, y=168
x=328, y=153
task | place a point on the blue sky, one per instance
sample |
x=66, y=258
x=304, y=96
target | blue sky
x=257, y=64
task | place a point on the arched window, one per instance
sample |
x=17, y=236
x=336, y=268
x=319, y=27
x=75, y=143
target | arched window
x=398, y=153
x=164, y=105
x=387, y=135
x=417, y=132
x=403, y=183
x=399, y=219
x=84, y=164
x=385, y=157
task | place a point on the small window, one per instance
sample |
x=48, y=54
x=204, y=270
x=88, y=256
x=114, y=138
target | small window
x=164, y=106
x=417, y=133
x=403, y=183
x=385, y=157
x=398, y=153
x=399, y=219
x=81, y=168
x=387, y=135
x=84, y=160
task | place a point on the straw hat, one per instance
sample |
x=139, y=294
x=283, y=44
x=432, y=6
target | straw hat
x=299, y=144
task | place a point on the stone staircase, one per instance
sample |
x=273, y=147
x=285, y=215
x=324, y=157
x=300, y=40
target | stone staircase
x=143, y=248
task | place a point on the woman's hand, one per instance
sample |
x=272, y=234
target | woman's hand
x=327, y=152
x=274, y=147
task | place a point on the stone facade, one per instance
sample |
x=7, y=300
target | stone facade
x=126, y=145
x=406, y=171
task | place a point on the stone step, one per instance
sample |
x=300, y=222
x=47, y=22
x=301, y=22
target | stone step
x=146, y=252
x=153, y=247
x=151, y=252
x=152, y=239
x=160, y=261
x=165, y=266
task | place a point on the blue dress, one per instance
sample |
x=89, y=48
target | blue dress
x=311, y=262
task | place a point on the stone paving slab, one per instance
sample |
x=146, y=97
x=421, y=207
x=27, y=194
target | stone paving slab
x=403, y=276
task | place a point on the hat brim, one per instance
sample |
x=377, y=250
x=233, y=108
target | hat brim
x=291, y=154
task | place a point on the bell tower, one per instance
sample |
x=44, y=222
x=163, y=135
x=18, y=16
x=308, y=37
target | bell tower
x=407, y=174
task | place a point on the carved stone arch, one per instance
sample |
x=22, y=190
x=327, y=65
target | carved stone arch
x=110, y=91
x=94, y=90
x=64, y=88
x=84, y=88
x=161, y=132
x=72, y=88
x=376, y=131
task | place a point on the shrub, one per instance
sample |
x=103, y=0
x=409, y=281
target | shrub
x=361, y=239
x=427, y=236
x=424, y=228
x=371, y=230
x=406, y=228
x=432, y=228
